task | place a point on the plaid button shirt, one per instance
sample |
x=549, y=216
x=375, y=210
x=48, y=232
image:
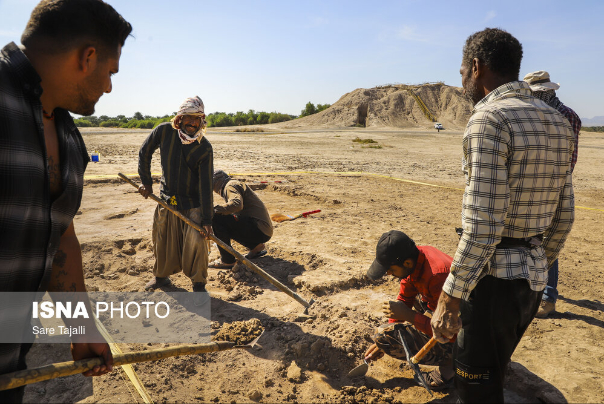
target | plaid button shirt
x=516, y=159
x=575, y=123
x=31, y=223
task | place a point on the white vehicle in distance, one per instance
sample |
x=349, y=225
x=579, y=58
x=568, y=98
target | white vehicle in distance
x=438, y=126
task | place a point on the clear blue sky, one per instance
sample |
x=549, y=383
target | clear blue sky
x=278, y=55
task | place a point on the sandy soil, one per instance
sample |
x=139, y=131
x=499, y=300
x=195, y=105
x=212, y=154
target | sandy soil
x=413, y=183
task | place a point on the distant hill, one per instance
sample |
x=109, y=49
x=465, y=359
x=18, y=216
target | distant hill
x=393, y=106
x=595, y=121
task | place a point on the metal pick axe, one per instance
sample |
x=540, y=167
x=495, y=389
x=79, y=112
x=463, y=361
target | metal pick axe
x=228, y=248
x=413, y=361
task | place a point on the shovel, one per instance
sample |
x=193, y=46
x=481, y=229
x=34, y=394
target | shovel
x=231, y=251
x=413, y=361
x=360, y=370
x=278, y=217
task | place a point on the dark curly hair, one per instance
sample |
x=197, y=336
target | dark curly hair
x=60, y=25
x=497, y=49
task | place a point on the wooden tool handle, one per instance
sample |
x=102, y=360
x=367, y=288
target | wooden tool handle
x=227, y=247
x=29, y=376
x=310, y=213
x=425, y=349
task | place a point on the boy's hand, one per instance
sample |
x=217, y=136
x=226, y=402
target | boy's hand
x=373, y=353
x=395, y=310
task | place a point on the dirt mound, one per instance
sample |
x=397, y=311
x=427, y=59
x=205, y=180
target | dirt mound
x=240, y=332
x=394, y=106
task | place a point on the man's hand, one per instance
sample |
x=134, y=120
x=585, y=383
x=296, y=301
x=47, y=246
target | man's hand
x=373, y=353
x=207, y=231
x=145, y=190
x=92, y=350
x=445, y=320
x=398, y=310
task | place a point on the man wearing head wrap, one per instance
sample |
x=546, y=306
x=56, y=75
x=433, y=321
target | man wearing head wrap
x=241, y=217
x=545, y=90
x=186, y=185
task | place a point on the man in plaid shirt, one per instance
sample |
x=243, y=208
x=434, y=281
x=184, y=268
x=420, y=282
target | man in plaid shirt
x=545, y=90
x=517, y=211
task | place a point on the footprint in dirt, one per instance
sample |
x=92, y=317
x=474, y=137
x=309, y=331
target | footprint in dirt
x=121, y=215
x=127, y=246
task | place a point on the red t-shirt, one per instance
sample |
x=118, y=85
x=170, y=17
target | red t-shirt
x=431, y=271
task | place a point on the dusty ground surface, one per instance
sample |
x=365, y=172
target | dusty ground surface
x=324, y=257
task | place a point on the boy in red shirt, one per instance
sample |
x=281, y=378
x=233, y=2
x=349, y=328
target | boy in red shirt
x=422, y=271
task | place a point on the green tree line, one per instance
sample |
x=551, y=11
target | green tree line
x=140, y=121
x=593, y=128
x=250, y=118
x=310, y=109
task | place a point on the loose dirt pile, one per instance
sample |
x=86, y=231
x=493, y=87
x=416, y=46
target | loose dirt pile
x=393, y=106
x=240, y=332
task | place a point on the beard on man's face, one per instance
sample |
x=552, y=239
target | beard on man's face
x=86, y=97
x=84, y=107
x=190, y=129
x=472, y=91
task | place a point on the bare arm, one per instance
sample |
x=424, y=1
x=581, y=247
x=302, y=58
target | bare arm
x=68, y=276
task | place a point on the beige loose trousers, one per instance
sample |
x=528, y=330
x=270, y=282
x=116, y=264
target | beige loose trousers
x=177, y=246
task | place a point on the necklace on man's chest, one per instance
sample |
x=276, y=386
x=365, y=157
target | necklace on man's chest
x=48, y=116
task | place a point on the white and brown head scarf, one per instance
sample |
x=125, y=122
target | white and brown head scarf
x=191, y=106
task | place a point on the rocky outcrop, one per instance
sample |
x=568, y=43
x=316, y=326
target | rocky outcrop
x=393, y=106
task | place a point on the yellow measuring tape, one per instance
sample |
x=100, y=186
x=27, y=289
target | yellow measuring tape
x=127, y=368
x=358, y=173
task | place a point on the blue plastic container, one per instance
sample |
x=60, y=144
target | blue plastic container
x=95, y=157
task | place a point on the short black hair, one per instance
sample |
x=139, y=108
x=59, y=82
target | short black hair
x=408, y=251
x=497, y=49
x=65, y=24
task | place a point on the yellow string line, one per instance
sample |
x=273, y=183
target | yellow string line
x=121, y=373
x=358, y=173
x=585, y=207
x=127, y=368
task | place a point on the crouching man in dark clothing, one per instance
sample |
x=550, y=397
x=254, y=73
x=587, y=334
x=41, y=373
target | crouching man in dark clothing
x=241, y=217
